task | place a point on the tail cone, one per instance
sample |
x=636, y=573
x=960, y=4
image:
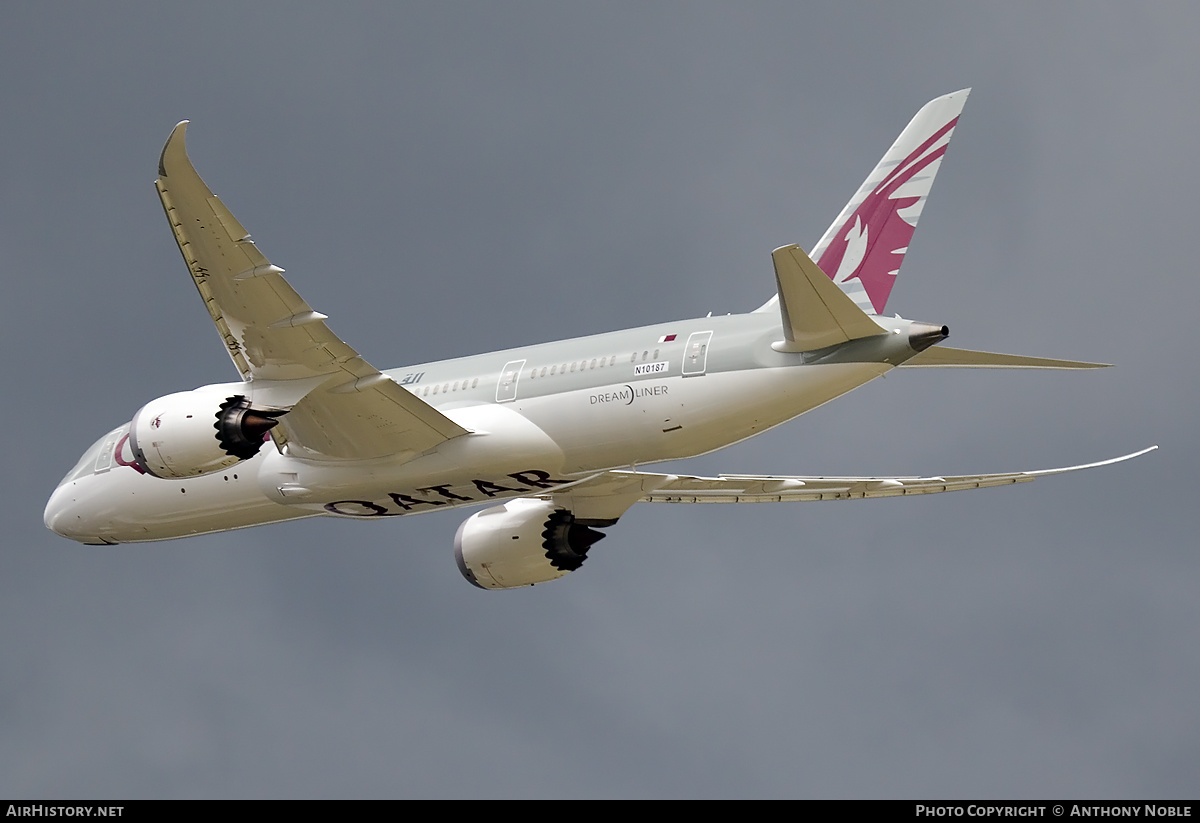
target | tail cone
x=923, y=335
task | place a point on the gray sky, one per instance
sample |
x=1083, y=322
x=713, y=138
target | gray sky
x=443, y=179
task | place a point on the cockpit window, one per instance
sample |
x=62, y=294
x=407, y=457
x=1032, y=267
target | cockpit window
x=99, y=457
x=104, y=459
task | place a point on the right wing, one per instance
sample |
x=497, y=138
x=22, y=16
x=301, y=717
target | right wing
x=353, y=410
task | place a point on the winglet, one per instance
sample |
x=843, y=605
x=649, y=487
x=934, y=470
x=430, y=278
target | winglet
x=175, y=143
x=1096, y=465
x=815, y=312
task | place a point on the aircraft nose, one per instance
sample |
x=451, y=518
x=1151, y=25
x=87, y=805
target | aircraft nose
x=57, y=515
x=48, y=514
x=65, y=517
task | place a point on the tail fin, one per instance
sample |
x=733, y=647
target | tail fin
x=863, y=249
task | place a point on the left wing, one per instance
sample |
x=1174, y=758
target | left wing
x=271, y=334
x=600, y=498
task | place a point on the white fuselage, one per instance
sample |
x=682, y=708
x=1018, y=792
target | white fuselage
x=540, y=418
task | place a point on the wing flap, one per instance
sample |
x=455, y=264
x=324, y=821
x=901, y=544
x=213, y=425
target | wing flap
x=363, y=417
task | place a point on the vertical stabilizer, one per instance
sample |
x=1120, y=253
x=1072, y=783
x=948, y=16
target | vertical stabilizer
x=863, y=249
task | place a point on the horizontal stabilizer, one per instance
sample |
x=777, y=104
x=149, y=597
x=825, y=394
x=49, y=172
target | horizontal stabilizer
x=816, y=313
x=944, y=356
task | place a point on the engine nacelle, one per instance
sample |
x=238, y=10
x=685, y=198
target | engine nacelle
x=520, y=543
x=197, y=432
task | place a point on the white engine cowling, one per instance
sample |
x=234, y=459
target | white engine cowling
x=520, y=543
x=197, y=432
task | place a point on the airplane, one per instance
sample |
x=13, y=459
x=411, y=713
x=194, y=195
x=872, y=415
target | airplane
x=552, y=436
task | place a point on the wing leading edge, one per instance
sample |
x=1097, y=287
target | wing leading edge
x=271, y=334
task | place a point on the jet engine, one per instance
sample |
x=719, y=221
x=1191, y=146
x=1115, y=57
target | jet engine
x=521, y=543
x=197, y=432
